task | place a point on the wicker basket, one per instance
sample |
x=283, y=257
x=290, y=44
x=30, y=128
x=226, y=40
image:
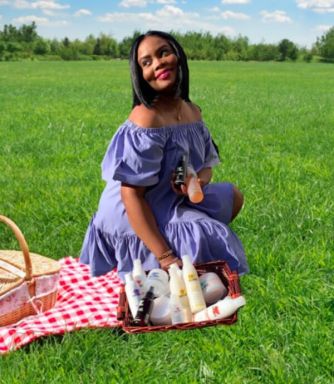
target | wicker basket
x=28, y=282
x=230, y=280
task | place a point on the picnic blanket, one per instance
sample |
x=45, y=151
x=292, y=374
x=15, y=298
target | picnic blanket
x=82, y=302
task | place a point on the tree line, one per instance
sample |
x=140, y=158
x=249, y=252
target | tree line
x=25, y=43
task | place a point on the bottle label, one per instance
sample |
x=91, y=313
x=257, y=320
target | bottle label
x=215, y=310
x=191, y=277
x=136, y=292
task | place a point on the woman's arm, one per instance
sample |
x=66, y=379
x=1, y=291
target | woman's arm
x=143, y=222
x=205, y=176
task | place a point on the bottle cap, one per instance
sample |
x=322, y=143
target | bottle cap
x=186, y=258
x=239, y=301
x=137, y=262
x=173, y=266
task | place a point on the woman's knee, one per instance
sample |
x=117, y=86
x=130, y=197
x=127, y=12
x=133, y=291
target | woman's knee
x=238, y=202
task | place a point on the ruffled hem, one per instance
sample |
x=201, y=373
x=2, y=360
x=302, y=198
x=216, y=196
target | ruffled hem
x=204, y=240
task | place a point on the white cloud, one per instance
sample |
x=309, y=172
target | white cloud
x=133, y=3
x=167, y=18
x=235, y=1
x=165, y=2
x=44, y=5
x=234, y=15
x=43, y=21
x=319, y=6
x=83, y=12
x=322, y=28
x=4, y=2
x=170, y=10
x=276, y=16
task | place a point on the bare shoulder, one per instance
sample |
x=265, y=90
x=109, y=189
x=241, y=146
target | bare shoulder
x=144, y=117
x=196, y=110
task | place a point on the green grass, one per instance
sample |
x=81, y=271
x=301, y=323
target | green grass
x=274, y=125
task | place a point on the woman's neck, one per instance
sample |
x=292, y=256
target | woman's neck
x=169, y=107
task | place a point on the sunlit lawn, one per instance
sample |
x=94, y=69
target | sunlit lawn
x=273, y=123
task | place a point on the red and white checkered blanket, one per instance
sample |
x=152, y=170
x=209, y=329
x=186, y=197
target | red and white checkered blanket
x=82, y=302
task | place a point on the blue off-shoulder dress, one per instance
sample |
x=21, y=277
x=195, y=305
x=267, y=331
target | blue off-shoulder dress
x=148, y=157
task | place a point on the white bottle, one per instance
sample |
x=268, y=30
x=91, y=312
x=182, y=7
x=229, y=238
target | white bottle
x=132, y=294
x=222, y=309
x=160, y=314
x=193, y=286
x=212, y=287
x=179, y=303
x=139, y=276
x=158, y=279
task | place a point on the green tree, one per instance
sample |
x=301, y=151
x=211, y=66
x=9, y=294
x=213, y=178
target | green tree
x=326, y=45
x=221, y=45
x=41, y=47
x=28, y=33
x=108, y=45
x=263, y=52
x=2, y=49
x=97, y=48
x=66, y=42
x=125, y=45
x=55, y=46
x=287, y=50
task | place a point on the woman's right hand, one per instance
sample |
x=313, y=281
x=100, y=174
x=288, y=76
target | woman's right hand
x=182, y=190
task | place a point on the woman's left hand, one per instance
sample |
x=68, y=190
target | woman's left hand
x=168, y=261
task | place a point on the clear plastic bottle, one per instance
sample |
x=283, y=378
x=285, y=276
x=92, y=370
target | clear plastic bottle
x=193, y=286
x=139, y=276
x=179, y=303
x=158, y=279
x=132, y=294
x=194, y=189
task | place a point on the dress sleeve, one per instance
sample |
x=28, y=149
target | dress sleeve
x=134, y=157
x=211, y=154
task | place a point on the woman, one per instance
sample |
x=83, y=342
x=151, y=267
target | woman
x=141, y=214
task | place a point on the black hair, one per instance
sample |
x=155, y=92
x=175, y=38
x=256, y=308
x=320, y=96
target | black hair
x=142, y=92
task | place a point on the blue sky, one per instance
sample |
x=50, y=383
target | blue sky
x=301, y=21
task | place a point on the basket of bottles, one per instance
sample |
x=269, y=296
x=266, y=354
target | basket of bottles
x=193, y=296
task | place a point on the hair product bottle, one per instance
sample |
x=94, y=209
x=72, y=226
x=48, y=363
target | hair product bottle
x=193, y=286
x=145, y=308
x=212, y=287
x=222, y=309
x=160, y=314
x=132, y=294
x=139, y=276
x=194, y=189
x=179, y=303
x=158, y=279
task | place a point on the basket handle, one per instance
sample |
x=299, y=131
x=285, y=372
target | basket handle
x=23, y=245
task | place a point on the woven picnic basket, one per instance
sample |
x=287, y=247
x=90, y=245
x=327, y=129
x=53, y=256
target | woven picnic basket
x=221, y=268
x=28, y=281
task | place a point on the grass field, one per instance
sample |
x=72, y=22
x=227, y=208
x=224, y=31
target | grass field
x=274, y=125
